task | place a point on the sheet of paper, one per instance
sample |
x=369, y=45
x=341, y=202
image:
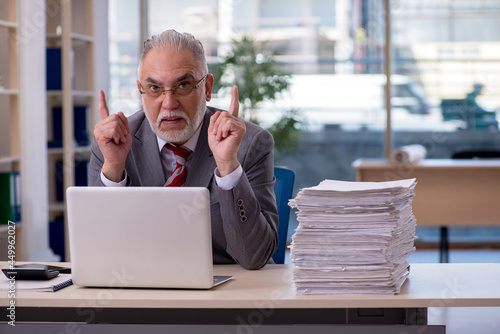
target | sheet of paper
x=51, y=285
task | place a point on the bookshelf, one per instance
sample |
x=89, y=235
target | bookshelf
x=25, y=105
x=70, y=32
x=72, y=107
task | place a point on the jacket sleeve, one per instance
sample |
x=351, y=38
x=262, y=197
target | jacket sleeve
x=95, y=165
x=250, y=216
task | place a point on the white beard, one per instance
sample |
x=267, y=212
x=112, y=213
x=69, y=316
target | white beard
x=177, y=136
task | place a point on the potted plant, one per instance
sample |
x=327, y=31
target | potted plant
x=258, y=77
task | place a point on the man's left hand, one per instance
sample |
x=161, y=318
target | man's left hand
x=225, y=134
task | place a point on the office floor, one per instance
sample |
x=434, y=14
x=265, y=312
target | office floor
x=461, y=320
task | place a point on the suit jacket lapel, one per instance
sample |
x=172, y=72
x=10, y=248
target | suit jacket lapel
x=200, y=169
x=147, y=157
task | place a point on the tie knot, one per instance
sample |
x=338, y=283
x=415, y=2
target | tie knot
x=181, y=153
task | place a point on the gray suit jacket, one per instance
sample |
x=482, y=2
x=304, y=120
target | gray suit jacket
x=244, y=219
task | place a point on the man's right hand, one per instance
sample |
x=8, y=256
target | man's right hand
x=114, y=139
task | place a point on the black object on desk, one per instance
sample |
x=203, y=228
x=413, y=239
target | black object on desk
x=34, y=271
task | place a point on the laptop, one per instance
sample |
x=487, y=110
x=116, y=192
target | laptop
x=141, y=237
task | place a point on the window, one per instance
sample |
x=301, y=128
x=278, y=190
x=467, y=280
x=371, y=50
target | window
x=124, y=50
x=335, y=53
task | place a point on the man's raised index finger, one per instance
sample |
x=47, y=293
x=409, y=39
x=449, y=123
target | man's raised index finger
x=235, y=104
x=103, y=106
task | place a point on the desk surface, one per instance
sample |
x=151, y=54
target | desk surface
x=429, y=285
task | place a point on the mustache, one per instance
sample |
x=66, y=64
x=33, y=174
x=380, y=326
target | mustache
x=171, y=114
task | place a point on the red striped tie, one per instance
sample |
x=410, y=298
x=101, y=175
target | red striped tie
x=178, y=176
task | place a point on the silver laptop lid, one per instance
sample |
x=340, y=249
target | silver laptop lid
x=153, y=237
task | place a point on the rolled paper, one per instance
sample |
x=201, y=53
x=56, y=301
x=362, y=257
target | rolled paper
x=408, y=154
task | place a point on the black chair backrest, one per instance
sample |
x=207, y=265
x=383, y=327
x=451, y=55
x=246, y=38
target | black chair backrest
x=478, y=154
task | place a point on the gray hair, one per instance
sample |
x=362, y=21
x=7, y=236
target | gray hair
x=173, y=40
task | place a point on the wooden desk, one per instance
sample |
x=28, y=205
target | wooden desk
x=259, y=301
x=449, y=192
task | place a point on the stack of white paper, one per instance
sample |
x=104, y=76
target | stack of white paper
x=353, y=237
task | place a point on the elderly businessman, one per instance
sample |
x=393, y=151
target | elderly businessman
x=176, y=140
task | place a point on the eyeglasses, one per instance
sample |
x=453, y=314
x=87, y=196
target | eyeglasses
x=183, y=89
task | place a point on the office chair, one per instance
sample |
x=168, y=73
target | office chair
x=444, y=247
x=283, y=190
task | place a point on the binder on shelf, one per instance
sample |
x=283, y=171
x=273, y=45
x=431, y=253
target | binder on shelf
x=54, y=69
x=56, y=236
x=80, y=127
x=81, y=176
x=10, y=197
x=53, y=62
